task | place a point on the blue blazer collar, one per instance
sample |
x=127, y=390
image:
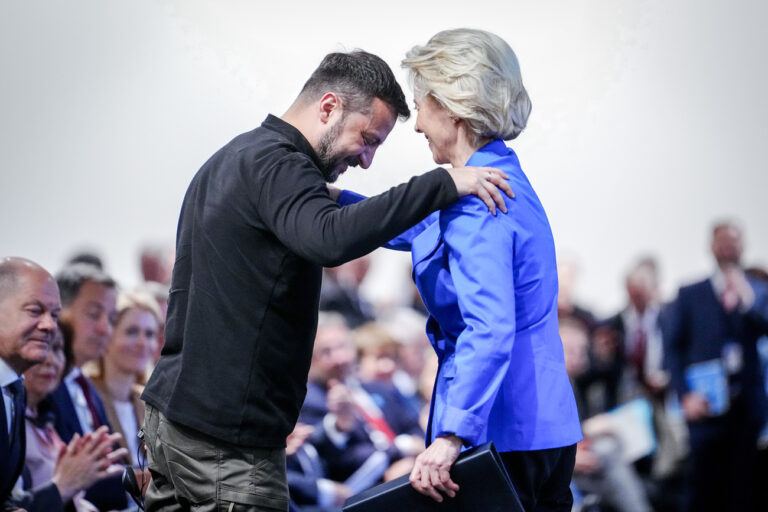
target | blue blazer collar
x=488, y=153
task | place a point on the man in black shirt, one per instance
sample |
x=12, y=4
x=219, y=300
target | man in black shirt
x=257, y=225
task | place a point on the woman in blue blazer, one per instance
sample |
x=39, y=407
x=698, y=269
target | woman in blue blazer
x=489, y=282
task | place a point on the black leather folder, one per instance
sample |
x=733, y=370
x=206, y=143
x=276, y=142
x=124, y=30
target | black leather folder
x=483, y=481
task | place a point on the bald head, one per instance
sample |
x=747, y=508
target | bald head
x=11, y=271
x=29, y=307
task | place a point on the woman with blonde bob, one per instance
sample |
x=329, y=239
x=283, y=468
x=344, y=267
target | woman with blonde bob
x=489, y=283
x=122, y=367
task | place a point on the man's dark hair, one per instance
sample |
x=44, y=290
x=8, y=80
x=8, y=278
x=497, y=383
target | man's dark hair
x=67, y=335
x=72, y=277
x=87, y=257
x=358, y=77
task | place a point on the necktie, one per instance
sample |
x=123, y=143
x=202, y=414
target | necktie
x=730, y=297
x=17, y=407
x=83, y=382
x=638, y=351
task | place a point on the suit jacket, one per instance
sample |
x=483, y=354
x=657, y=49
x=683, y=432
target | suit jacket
x=67, y=423
x=623, y=382
x=45, y=498
x=12, y=448
x=697, y=329
x=107, y=494
x=339, y=463
x=490, y=285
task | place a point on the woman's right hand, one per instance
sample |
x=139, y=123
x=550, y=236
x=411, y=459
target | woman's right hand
x=483, y=182
x=86, y=460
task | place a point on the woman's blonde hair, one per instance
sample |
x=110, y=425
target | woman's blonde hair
x=476, y=76
x=127, y=300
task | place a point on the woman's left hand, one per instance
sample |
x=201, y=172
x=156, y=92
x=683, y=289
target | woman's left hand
x=431, y=473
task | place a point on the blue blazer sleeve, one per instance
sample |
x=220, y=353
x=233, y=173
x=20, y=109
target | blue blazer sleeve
x=477, y=242
x=401, y=242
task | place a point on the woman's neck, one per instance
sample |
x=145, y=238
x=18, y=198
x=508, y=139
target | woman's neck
x=464, y=149
x=119, y=383
x=33, y=399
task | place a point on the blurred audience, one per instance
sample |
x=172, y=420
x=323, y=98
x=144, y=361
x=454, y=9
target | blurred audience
x=371, y=378
x=159, y=292
x=341, y=291
x=48, y=458
x=353, y=420
x=602, y=471
x=156, y=261
x=639, y=357
x=310, y=490
x=120, y=373
x=87, y=257
x=88, y=298
x=407, y=327
x=712, y=356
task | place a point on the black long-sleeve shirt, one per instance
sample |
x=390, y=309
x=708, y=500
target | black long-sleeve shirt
x=256, y=226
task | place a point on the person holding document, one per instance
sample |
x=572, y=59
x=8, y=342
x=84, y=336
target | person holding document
x=489, y=283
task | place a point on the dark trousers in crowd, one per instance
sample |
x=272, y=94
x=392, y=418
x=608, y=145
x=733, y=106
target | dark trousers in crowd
x=542, y=478
x=722, y=463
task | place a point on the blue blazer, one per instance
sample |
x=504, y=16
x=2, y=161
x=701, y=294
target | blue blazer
x=490, y=286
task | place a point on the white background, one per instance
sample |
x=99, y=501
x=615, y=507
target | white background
x=647, y=123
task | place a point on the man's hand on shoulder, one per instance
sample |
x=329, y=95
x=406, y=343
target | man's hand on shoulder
x=483, y=182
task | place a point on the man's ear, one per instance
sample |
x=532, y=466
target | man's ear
x=329, y=106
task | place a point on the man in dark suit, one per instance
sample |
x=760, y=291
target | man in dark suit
x=713, y=326
x=29, y=306
x=88, y=297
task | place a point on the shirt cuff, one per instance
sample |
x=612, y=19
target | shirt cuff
x=326, y=493
x=338, y=438
x=462, y=423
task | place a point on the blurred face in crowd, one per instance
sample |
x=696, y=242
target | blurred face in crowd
x=379, y=363
x=28, y=311
x=641, y=288
x=727, y=245
x=133, y=342
x=574, y=348
x=91, y=314
x=334, y=355
x=411, y=355
x=42, y=379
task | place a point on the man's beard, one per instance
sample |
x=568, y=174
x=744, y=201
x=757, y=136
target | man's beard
x=329, y=161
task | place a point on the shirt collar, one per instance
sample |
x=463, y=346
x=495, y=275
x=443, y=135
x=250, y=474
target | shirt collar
x=646, y=318
x=718, y=281
x=72, y=375
x=7, y=374
x=290, y=132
